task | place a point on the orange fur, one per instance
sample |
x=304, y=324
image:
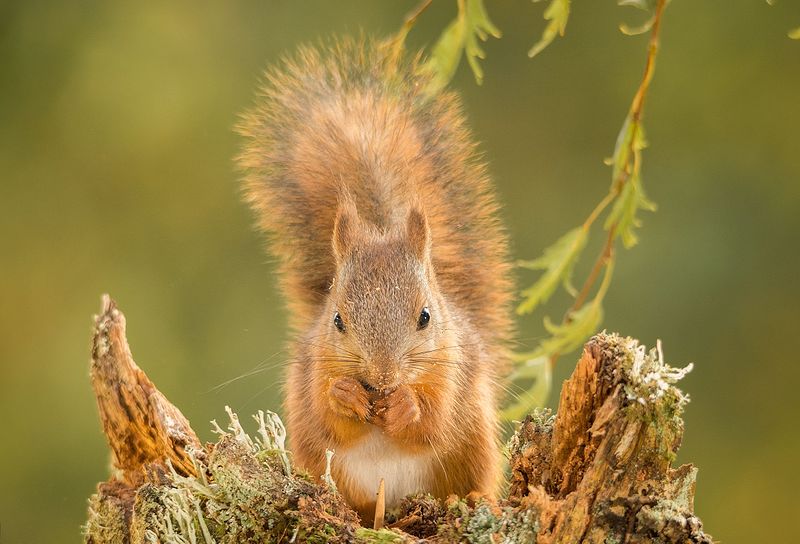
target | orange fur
x=377, y=207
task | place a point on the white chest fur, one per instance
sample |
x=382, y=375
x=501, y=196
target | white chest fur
x=375, y=457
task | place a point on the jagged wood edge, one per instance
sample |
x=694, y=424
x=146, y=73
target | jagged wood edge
x=142, y=427
x=601, y=468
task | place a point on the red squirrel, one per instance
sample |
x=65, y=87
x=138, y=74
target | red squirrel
x=395, y=268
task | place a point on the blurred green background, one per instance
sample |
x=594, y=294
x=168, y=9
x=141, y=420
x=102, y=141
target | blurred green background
x=116, y=176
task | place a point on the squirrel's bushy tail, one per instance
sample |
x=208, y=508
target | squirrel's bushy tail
x=349, y=120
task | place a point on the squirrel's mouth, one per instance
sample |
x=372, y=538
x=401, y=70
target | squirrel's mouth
x=368, y=387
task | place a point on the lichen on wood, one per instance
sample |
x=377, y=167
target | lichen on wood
x=598, y=471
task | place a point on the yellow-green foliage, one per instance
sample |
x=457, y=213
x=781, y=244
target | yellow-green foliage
x=557, y=13
x=626, y=196
x=558, y=261
x=462, y=36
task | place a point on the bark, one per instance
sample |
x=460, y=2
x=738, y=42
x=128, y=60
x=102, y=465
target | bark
x=143, y=428
x=599, y=471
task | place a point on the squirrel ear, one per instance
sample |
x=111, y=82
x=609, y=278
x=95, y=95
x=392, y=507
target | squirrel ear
x=344, y=231
x=419, y=235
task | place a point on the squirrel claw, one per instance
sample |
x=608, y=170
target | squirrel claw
x=348, y=398
x=397, y=410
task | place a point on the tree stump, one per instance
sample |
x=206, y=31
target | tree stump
x=599, y=471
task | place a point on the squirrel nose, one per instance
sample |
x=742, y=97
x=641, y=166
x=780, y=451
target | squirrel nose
x=383, y=377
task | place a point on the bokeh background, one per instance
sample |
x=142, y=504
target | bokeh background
x=116, y=175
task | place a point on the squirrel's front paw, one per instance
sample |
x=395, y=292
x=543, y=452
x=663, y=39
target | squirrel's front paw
x=397, y=410
x=348, y=398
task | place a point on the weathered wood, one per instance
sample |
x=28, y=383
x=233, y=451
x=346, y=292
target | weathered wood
x=141, y=425
x=598, y=472
x=602, y=467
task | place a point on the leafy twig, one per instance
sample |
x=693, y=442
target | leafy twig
x=461, y=37
x=557, y=15
x=626, y=197
x=397, y=43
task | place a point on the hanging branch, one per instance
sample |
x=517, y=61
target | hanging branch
x=626, y=198
x=462, y=37
x=626, y=191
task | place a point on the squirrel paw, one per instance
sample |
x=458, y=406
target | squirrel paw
x=397, y=410
x=348, y=398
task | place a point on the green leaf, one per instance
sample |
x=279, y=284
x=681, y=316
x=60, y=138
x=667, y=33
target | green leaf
x=446, y=55
x=558, y=261
x=541, y=372
x=567, y=337
x=463, y=34
x=479, y=27
x=626, y=171
x=578, y=326
x=625, y=210
x=624, y=146
x=557, y=13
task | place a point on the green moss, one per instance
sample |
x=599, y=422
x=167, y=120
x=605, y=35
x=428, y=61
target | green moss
x=523, y=527
x=106, y=521
x=383, y=536
x=488, y=524
x=321, y=535
x=481, y=526
x=242, y=495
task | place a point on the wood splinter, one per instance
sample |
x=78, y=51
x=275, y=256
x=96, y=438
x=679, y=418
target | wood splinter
x=380, y=507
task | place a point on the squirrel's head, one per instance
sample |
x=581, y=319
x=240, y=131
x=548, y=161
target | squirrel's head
x=385, y=319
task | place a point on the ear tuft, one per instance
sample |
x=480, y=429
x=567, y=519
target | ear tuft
x=418, y=233
x=344, y=231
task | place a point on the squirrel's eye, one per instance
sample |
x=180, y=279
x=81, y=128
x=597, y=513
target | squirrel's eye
x=337, y=320
x=424, y=318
